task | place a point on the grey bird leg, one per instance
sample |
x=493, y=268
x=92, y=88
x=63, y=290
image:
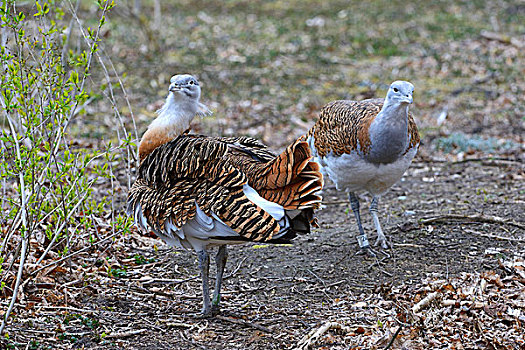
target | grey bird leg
x=220, y=259
x=204, y=264
x=381, y=239
x=362, y=239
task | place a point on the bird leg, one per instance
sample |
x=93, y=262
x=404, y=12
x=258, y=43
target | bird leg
x=204, y=265
x=381, y=239
x=362, y=239
x=220, y=260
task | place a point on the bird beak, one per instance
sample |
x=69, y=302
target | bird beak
x=408, y=99
x=174, y=87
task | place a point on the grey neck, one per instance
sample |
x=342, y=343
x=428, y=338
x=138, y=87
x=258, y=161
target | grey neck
x=389, y=133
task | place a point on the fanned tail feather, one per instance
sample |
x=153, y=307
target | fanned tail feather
x=292, y=179
x=285, y=167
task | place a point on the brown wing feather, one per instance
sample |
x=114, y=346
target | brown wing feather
x=193, y=169
x=348, y=123
x=255, y=148
x=289, y=178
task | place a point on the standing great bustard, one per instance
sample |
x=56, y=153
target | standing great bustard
x=196, y=191
x=366, y=145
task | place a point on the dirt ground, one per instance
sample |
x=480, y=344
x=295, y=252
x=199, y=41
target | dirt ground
x=291, y=289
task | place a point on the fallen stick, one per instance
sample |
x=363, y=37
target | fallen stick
x=336, y=202
x=244, y=323
x=394, y=337
x=449, y=302
x=501, y=238
x=311, y=337
x=178, y=325
x=125, y=334
x=474, y=218
x=505, y=39
x=424, y=302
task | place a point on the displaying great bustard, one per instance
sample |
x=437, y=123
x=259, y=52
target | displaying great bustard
x=366, y=146
x=197, y=191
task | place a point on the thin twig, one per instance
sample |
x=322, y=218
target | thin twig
x=472, y=218
x=169, y=281
x=501, y=238
x=502, y=38
x=68, y=37
x=59, y=230
x=27, y=230
x=235, y=270
x=336, y=202
x=77, y=252
x=424, y=302
x=393, y=337
x=244, y=323
x=313, y=335
x=125, y=334
x=486, y=161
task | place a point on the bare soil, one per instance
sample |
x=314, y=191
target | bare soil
x=274, y=295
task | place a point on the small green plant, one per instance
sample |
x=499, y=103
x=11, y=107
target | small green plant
x=90, y=322
x=460, y=142
x=117, y=272
x=141, y=260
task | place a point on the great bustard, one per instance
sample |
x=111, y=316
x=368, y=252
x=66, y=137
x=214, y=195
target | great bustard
x=197, y=191
x=366, y=146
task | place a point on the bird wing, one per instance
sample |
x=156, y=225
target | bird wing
x=197, y=170
x=413, y=133
x=250, y=146
x=289, y=179
x=343, y=127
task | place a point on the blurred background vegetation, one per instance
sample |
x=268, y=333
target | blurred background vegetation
x=268, y=66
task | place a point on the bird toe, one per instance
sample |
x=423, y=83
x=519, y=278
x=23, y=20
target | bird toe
x=381, y=242
x=366, y=251
x=206, y=312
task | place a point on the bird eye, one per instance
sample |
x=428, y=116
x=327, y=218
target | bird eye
x=396, y=89
x=191, y=82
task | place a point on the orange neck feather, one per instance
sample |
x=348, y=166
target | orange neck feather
x=173, y=120
x=153, y=138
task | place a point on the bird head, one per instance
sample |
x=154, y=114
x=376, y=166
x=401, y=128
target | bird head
x=400, y=92
x=183, y=97
x=185, y=86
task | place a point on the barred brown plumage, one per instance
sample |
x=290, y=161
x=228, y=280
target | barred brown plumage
x=366, y=145
x=211, y=171
x=343, y=127
x=198, y=191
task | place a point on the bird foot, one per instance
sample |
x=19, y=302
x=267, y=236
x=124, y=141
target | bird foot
x=381, y=241
x=366, y=251
x=362, y=240
x=204, y=315
x=208, y=312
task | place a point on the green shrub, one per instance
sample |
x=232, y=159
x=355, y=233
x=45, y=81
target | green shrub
x=47, y=182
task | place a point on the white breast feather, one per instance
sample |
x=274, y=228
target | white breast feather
x=352, y=173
